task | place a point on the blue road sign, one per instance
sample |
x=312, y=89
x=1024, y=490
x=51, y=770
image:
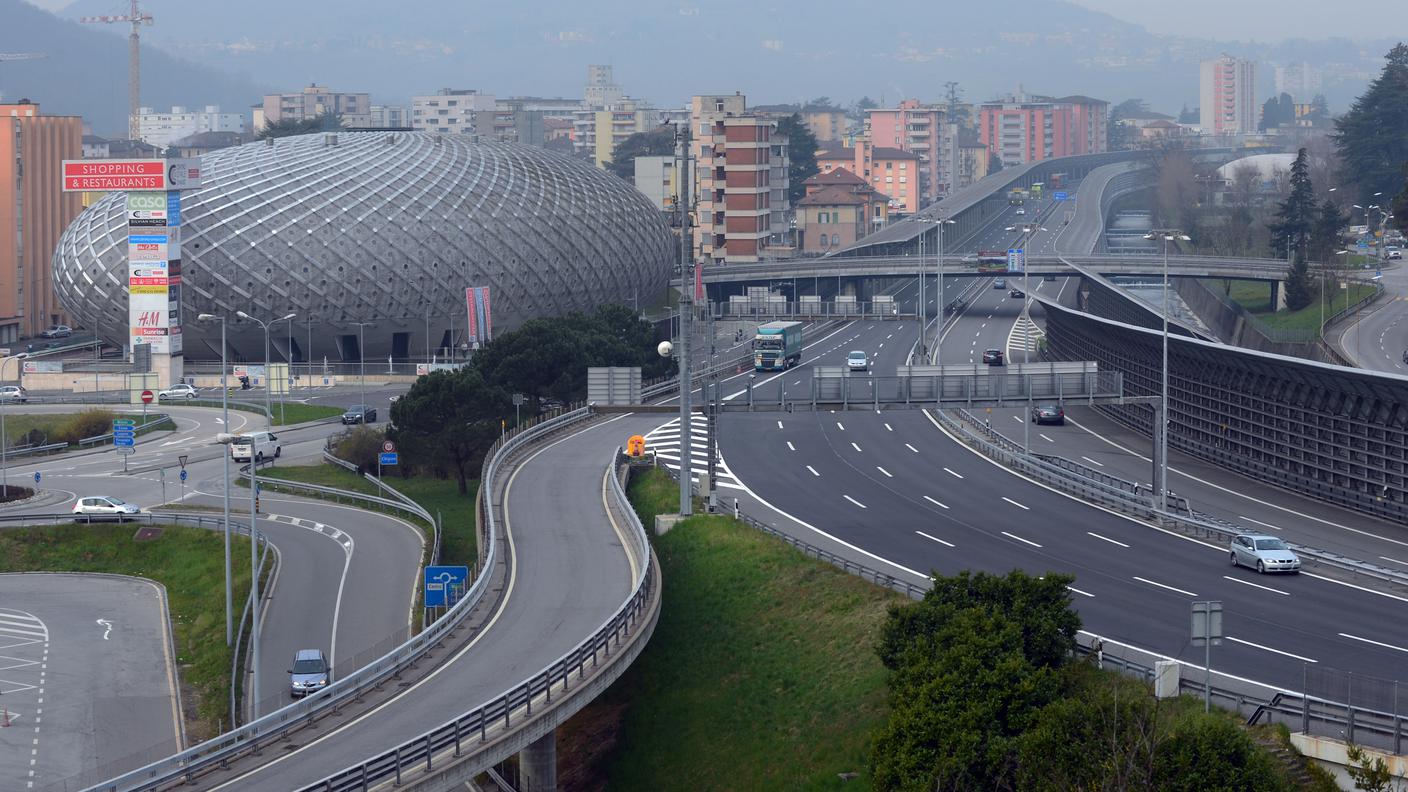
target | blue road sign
x=440, y=582
x=125, y=442
x=391, y=458
x=1058, y=196
x=124, y=435
x=36, y=477
x=183, y=475
x=1016, y=260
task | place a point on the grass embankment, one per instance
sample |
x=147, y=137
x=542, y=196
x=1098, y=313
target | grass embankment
x=290, y=414
x=69, y=427
x=189, y=562
x=457, y=543
x=1255, y=296
x=761, y=672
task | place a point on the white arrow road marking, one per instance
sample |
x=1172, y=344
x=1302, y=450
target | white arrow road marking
x=107, y=627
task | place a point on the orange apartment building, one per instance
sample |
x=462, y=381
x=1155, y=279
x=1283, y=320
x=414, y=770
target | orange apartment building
x=32, y=148
x=891, y=171
x=838, y=209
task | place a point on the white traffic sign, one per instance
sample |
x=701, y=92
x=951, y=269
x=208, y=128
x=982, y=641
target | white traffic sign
x=388, y=446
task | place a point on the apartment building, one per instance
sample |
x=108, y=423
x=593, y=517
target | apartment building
x=32, y=148
x=1021, y=130
x=1227, y=96
x=657, y=177
x=311, y=102
x=740, y=182
x=601, y=91
x=390, y=117
x=161, y=128
x=596, y=133
x=827, y=124
x=454, y=111
x=893, y=172
x=928, y=133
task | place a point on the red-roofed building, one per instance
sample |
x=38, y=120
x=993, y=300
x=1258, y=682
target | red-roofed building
x=892, y=172
x=838, y=209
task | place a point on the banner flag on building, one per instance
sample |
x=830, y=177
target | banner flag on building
x=481, y=321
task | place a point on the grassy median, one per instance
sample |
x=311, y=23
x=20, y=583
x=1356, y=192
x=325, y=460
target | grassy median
x=189, y=562
x=761, y=673
x=457, y=544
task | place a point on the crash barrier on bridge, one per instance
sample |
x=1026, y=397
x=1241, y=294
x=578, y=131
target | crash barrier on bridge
x=835, y=387
x=729, y=366
x=486, y=735
x=27, y=450
x=809, y=310
x=1332, y=433
x=219, y=751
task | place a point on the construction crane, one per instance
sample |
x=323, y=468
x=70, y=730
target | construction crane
x=137, y=17
x=19, y=56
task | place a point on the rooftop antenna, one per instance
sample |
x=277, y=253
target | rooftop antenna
x=137, y=17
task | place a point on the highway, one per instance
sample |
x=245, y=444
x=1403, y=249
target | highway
x=337, y=585
x=1379, y=338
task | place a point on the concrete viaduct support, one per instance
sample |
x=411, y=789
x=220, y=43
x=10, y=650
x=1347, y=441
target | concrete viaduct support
x=537, y=765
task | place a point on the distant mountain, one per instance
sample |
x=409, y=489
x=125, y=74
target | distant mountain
x=664, y=52
x=85, y=72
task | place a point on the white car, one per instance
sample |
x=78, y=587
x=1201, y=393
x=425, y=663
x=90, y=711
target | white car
x=14, y=393
x=98, y=506
x=57, y=331
x=1021, y=211
x=857, y=361
x=182, y=391
x=1264, y=553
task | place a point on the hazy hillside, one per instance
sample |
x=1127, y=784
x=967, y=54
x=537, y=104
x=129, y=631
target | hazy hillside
x=86, y=71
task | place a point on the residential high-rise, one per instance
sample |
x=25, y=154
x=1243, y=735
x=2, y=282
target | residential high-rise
x=311, y=102
x=33, y=214
x=455, y=111
x=596, y=133
x=928, y=133
x=602, y=91
x=1299, y=79
x=740, y=182
x=161, y=128
x=389, y=117
x=1021, y=129
x=1227, y=96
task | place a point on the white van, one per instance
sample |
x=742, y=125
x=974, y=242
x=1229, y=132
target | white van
x=262, y=445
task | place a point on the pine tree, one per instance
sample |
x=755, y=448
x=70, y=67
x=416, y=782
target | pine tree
x=1295, y=220
x=1372, y=137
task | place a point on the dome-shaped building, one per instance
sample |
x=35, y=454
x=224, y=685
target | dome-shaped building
x=381, y=227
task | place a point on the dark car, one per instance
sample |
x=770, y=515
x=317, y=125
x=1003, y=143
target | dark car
x=1049, y=414
x=359, y=414
x=1048, y=277
x=1017, y=293
x=993, y=357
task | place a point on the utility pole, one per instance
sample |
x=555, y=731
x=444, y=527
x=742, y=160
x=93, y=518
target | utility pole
x=137, y=17
x=685, y=202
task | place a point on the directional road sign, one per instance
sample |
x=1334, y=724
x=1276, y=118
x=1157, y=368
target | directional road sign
x=124, y=450
x=183, y=474
x=392, y=458
x=1058, y=196
x=124, y=422
x=440, y=582
x=36, y=477
x=124, y=442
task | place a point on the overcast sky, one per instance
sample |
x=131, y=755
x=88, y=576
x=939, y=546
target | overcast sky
x=1261, y=20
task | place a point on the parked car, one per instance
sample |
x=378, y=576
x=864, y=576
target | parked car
x=993, y=357
x=95, y=507
x=1016, y=292
x=181, y=391
x=256, y=445
x=857, y=361
x=57, y=331
x=1049, y=414
x=1000, y=283
x=1264, y=553
x=359, y=414
x=310, y=672
x=14, y=393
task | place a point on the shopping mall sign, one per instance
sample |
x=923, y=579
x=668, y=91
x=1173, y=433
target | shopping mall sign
x=115, y=175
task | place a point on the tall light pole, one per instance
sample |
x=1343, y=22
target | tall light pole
x=268, y=380
x=362, y=362
x=1161, y=426
x=225, y=420
x=684, y=200
x=1022, y=241
x=939, y=298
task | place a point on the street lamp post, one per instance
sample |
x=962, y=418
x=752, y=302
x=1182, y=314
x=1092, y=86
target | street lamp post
x=225, y=420
x=362, y=363
x=1161, y=427
x=268, y=380
x=1026, y=230
x=939, y=298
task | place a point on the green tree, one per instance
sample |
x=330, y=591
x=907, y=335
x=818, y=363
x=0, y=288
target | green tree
x=994, y=163
x=863, y=104
x=1295, y=221
x=285, y=127
x=1399, y=207
x=1372, y=137
x=801, y=155
x=1277, y=111
x=1325, y=233
x=1369, y=773
x=447, y=420
x=656, y=142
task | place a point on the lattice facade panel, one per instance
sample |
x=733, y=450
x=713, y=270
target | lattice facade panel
x=385, y=227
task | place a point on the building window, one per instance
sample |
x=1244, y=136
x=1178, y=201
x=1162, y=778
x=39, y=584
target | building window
x=889, y=166
x=904, y=179
x=889, y=179
x=824, y=240
x=904, y=165
x=835, y=240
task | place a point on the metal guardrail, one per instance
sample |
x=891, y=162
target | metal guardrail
x=480, y=736
x=401, y=502
x=272, y=727
x=103, y=438
x=11, y=453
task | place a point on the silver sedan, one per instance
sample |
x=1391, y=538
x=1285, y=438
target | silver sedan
x=1263, y=553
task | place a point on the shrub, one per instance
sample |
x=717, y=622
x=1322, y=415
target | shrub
x=359, y=445
x=82, y=425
